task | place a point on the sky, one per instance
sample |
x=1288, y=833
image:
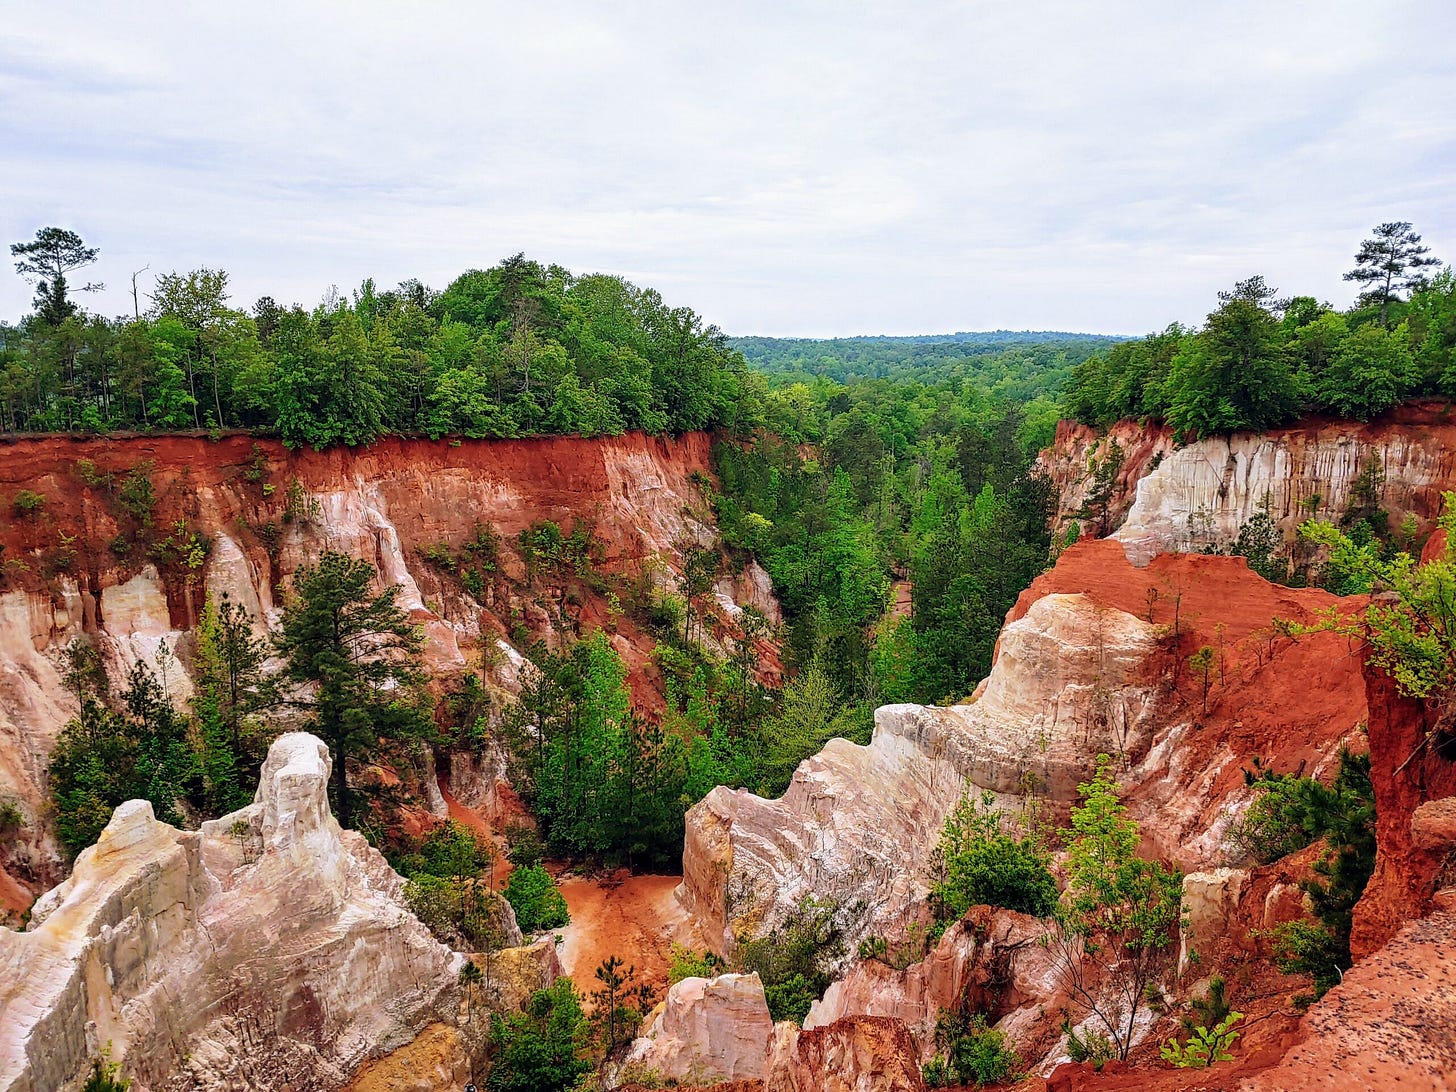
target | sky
x=791, y=169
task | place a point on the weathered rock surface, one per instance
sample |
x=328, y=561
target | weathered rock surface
x=1304, y=470
x=263, y=510
x=858, y=823
x=991, y=962
x=707, y=1030
x=268, y=950
x=856, y=1054
x=1388, y=1024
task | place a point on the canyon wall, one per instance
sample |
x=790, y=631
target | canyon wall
x=1088, y=663
x=269, y=949
x=80, y=566
x=1167, y=496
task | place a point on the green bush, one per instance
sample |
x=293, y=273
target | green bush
x=1205, y=1046
x=686, y=963
x=533, y=894
x=28, y=503
x=540, y=1049
x=794, y=959
x=975, y=1054
x=980, y=863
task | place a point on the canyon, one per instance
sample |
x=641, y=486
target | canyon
x=1092, y=659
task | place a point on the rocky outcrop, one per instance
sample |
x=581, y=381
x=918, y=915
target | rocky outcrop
x=1387, y=1024
x=994, y=962
x=1413, y=773
x=856, y=1054
x=1170, y=497
x=707, y=1030
x=79, y=568
x=268, y=950
x=857, y=824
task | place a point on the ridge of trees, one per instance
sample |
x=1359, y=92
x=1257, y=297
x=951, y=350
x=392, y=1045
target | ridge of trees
x=1260, y=361
x=517, y=349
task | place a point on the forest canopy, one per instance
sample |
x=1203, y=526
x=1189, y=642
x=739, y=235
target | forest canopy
x=517, y=349
x=1260, y=360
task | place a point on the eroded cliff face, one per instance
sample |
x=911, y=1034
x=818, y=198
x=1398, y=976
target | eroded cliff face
x=1171, y=497
x=1088, y=663
x=267, y=950
x=78, y=566
x=1093, y=659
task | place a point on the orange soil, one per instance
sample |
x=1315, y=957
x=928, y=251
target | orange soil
x=633, y=917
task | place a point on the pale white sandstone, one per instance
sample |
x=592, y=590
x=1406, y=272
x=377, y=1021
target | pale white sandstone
x=1220, y=482
x=1209, y=902
x=707, y=1030
x=268, y=949
x=858, y=824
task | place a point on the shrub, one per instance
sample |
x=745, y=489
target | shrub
x=981, y=864
x=28, y=503
x=1205, y=1046
x=975, y=1053
x=104, y=1078
x=12, y=818
x=538, y=904
x=540, y=1049
x=136, y=495
x=685, y=963
x=794, y=959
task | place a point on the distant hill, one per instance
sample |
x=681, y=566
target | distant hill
x=1019, y=364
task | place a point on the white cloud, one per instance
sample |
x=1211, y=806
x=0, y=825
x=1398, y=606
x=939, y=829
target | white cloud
x=806, y=168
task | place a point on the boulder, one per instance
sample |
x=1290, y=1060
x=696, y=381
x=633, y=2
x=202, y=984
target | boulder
x=856, y=1054
x=707, y=1030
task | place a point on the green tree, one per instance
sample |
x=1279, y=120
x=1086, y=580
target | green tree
x=536, y=900
x=1119, y=912
x=1373, y=370
x=980, y=861
x=358, y=652
x=1388, y=263
x=540, y=1049
x=1233, y=375
x=46, y=260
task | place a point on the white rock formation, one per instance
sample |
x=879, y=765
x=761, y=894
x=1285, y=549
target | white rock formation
x=268, y=950
x=858, y=824
x=708, y=1030
x=1219, y=483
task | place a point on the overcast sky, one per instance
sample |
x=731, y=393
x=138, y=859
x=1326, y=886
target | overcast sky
x=809, y=169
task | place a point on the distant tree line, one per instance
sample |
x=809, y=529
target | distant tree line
x=1260, y=361
x=517, y=349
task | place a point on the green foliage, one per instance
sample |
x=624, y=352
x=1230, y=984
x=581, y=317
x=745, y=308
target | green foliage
x=1259, y=362
x=685, y=963
x=810, y=713
x=104, y=1078
x=361, y=652
x=1018, y=365
x=136, y=495
x=974, y=1053
x=536, y=900
x=1343, y=814
x=542, y=1048
x=12, y=817
x=1411, y=635
x=1090, y=1045
x=1205, y=1046
x=604, y=784
x=1119, y=912
x=794, y=959
x=980, y=861
x=518, y=349
x=105, y=757
x=28, y=503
